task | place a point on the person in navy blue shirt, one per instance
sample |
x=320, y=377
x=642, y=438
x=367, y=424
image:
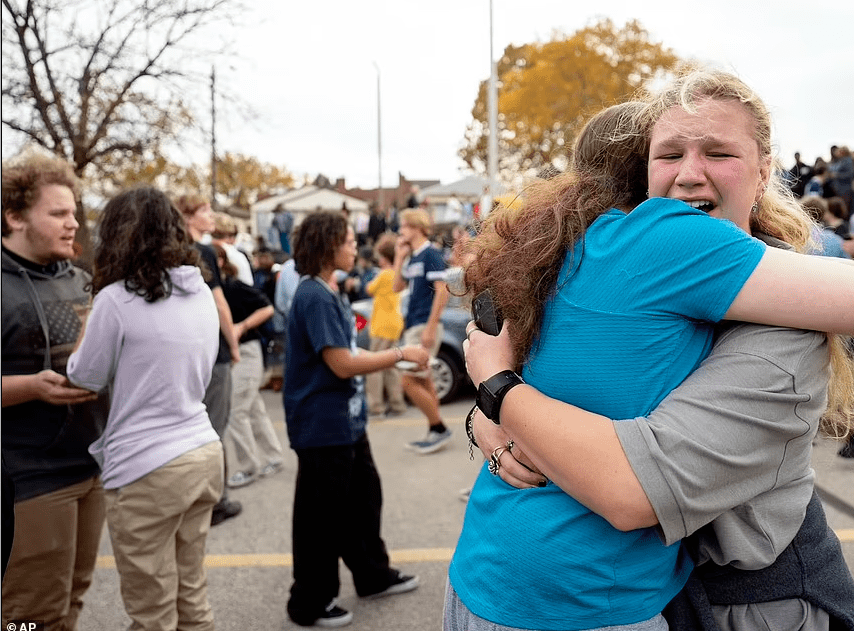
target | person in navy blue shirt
x=338, y=497
x=421, y=267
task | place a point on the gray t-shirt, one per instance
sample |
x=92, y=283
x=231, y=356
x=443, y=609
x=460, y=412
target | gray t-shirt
x=727, y=456
x=730, y=449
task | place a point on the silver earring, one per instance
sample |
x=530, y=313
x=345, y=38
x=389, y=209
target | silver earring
x=755, y=208
x=647, y=192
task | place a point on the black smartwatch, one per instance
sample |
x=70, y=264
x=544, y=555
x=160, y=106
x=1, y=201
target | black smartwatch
x=491, y=392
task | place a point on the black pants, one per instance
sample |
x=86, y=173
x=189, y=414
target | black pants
x=337, y=513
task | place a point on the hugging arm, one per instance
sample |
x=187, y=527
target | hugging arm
x=711, y=445
x=578, y=450
x=799, y=291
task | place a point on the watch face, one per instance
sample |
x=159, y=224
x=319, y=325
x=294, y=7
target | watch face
x=491, y=392
x=485, y=400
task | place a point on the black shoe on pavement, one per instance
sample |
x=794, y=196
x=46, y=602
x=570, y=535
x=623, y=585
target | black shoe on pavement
x=334, y=617
x=401, y=584
x=225, y=509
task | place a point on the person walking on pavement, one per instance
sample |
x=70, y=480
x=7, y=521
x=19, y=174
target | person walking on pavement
x=421, y=267
x=197, y=214
x=48, y=423
x=338, y=495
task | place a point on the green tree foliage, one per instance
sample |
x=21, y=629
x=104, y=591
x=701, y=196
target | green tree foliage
x=547, y=90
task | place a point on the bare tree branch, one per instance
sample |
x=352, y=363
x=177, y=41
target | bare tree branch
x=101, y=81
x=84, y=83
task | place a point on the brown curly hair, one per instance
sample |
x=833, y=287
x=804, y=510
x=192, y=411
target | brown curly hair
x=141, y=237
x=24, y=178
x=316, y=239
x=518, y=253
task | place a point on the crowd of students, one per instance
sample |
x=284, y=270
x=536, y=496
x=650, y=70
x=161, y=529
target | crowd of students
x=132, y=394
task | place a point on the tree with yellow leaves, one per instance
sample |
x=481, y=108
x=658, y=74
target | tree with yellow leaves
x=241, y=179
x=547, y=90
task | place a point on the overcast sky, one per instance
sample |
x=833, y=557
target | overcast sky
x=308, y=68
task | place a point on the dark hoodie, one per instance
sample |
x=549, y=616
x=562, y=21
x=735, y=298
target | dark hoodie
x=45, y=447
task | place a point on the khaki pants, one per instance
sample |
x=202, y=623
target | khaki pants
x=250, y=441
x=158, y=527
x=53, y=555
x=384, y=381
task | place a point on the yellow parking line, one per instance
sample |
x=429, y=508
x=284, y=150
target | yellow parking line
x=417, y=555
x=845, y=535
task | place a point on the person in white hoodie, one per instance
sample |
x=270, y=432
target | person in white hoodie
x=151, y=338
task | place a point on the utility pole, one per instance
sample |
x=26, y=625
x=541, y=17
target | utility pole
x=213, y=138
x=492, y=145
x=380, y=200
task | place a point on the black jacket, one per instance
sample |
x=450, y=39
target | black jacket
x=811, y=568
x=45, y=447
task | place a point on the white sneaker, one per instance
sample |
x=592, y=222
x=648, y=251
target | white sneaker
x=271, y=468
x=241, y=478
x=434, y=442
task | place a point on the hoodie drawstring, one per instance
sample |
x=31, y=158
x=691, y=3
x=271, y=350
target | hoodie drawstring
x=47, y=364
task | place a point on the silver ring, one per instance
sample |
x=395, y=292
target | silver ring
x=494, y=463
x=468, y=334
x=493, y=466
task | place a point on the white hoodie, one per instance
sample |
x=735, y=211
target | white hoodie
x=157, y=358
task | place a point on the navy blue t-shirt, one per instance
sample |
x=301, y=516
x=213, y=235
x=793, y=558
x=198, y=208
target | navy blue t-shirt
x=321, y=409
x=424, y=269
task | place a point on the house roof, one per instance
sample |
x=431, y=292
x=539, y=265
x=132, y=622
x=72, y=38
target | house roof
x=471, y=186
x=310, y=198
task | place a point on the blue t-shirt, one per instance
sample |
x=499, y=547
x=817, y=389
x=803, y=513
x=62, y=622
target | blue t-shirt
x=321, y=409
x=424, y=269
x=628, y=322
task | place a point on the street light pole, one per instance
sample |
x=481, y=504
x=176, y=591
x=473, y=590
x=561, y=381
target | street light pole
x=379, y=145
x=213, y=137
x=492, y=145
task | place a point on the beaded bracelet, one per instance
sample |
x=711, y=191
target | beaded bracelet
x=470, y=431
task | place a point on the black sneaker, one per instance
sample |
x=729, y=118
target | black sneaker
x=334, y=617
x=401, y=584
x=225, y=510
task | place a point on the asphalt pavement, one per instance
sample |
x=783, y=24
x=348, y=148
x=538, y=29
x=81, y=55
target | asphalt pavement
x=249, y=561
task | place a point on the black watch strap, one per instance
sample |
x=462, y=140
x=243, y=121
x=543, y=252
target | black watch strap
x=491, y=393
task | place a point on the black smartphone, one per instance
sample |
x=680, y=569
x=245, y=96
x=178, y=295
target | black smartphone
x=486, y=314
